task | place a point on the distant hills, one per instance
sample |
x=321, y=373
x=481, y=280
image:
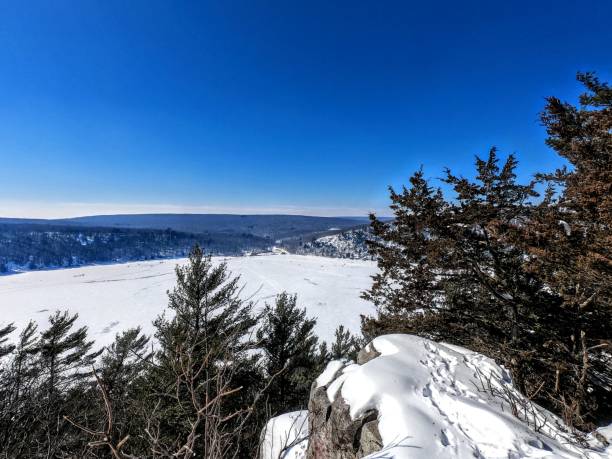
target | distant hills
x=267, y=226
x=350, y=243
x=27, y=244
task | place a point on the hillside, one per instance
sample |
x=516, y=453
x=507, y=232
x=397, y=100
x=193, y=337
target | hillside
x=27, y=244
x=42, y=245
x=350, y=243
x=267, y=226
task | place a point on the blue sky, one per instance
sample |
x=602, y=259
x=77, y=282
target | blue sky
x=252, y=106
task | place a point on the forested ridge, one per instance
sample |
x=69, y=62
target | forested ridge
x=38, y=246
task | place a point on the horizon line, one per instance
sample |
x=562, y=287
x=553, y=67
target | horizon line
x=36, y=210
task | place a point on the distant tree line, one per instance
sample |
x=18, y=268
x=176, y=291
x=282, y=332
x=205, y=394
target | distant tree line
x=36, y=246
x=351, y=243
x=523, y=278
x=204, y=386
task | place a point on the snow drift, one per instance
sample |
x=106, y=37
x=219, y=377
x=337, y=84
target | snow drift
x=441, y=401
x=285, y=436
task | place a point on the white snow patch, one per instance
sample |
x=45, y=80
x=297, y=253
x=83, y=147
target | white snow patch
x=330, y=372
x=566, y=227
x=285, y=436
x=432, y=403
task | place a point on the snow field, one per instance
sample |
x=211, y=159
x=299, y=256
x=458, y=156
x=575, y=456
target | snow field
x=112, y=298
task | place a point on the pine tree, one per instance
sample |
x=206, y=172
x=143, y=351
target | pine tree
x=124, y=360
x=64, y=354
x=345, y=345
x=65, y=360
x=465, y=271
x=457, y=254
x=569, y=246
x=201, y=362
x=6, y=349
x=122, y=376
x=289, y=346
x=208, y=313
x=323, y=356
x=17, y=410
x=526, y=282
x=406, y=288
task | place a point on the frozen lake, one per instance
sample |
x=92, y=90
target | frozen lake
x=111, y=298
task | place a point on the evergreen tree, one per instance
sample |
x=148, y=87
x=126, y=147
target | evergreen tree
x=201, y=362
x=345, y=345
x=5, y=348
x=64, y=354
x=476, y=271
x=65, y=360
x=570, y=249
x=122, y=376
x=289, y=346
x=208, y=314
x=18, y=410
x=124, y=360
x=406, y=288
x=43, y=382
x=323, y=356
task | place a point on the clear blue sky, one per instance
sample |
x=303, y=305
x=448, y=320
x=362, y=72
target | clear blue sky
x=261, y=106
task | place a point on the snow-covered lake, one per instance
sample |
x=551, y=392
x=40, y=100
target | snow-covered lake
x=111, y=298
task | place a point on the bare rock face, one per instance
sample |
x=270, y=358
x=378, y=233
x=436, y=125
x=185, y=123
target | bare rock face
x=366, y=354
x=333, y=434
x=369, y=440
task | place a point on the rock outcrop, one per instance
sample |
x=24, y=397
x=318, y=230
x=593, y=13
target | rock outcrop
x=407, y=397
x=333, y=434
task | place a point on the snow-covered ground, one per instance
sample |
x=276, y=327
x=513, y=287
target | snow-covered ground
x=285, y=436
x=111, y=298
x=437, y=401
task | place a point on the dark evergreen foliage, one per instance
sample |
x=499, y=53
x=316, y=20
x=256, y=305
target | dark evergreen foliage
x=345, y=345
x=37, y=246
x=202, y=354
x=44, y=380
x=5, y=347
x=290, y=353
x=123, y=371
x=525, y=282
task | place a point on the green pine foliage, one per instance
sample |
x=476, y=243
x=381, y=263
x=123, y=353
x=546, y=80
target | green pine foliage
x=345, y=345
x=201, y=360
x=290, y=353
x=123, y=371
x=205, y=386
x=43, y=382
x=5, y=347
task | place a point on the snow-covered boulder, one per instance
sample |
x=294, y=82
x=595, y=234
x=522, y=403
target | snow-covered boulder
x=409, y=397
x=285, y=436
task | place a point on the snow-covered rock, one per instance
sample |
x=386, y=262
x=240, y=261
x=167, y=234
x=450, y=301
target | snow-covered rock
x=285, y=436
x=425, y=400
